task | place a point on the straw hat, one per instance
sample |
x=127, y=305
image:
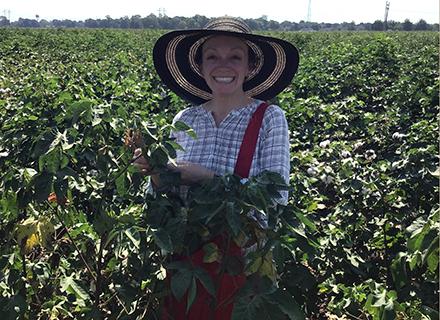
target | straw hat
x=174, y=56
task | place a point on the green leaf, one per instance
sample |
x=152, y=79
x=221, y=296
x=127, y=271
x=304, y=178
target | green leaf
x=254, y=264
x=421, y=239
x=79, y=292
x=174, y=145
x=69, y=285
x=78, y=109
x=416, y=260
x=233, y=265
x=15, y=308
x=191, y=294
x=121, y=186
x=388, y=312
x=43, y=185
x=398, y=270
x=180, y=283
x=306, y=221
x=432, y=313
x=233, y=218
x=52, y=161
x=103, y=223
x=60, y=187
x=269, y=311
x=206, y=280
x=433, y=259
x=212, y=252
x=246, y=308
x=181, y=126
x=287, y=304
x=133, y=240
x=42, y=144
x=163, y=240
x=381, y=299
x=208, y=212
x=159, y=157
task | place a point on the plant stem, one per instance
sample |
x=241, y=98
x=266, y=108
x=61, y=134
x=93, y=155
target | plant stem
x=74, y=244
x=99, y=269
x=150, y=296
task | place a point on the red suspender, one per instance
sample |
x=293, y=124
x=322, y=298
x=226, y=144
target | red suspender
x=247, y=148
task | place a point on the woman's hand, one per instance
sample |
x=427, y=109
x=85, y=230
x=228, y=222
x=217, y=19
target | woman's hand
x=191, y=173
x=141, y=163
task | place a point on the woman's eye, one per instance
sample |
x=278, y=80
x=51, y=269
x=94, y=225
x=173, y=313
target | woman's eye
x=210, y=57
x=236, y=58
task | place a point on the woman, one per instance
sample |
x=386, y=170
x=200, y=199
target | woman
x=227, y=73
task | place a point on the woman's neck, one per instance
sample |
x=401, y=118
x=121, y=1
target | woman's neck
x=222, y=106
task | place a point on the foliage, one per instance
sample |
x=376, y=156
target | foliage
x=163, y=21
x=80, y=238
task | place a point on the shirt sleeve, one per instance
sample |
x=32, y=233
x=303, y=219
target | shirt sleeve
x=274, y=147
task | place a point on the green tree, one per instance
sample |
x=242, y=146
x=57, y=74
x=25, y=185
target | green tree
x=422, y=25
x=407, y=25
x=4, y=22
x=378, y=25
x=136, y=22
x=150, y=22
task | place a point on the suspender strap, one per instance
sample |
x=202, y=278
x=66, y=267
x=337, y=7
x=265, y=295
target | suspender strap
x=247, y=148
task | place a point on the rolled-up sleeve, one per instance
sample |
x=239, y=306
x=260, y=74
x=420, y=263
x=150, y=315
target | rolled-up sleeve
x=274, y=148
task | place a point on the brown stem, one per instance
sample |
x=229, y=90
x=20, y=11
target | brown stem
x=99, y=266
x=150, y=298
x=74, y=244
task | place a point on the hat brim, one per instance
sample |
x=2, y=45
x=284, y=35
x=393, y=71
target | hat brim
x=173, y=56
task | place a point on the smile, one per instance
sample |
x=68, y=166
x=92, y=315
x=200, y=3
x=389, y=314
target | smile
x=224, y=79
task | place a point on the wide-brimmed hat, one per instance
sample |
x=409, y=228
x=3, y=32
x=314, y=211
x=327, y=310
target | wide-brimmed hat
x=174, y=56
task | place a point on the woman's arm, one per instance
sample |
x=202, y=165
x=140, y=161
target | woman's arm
x=274, y=146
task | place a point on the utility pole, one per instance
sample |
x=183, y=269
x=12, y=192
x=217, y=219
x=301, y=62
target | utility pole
x=162, y=12
x=7, y=14
x=309, y=11
x=387, y=8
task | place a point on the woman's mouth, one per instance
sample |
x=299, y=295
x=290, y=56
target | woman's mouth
x=224, y=79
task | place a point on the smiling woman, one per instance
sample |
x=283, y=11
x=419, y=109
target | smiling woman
x=228, y=73
x=225, y=67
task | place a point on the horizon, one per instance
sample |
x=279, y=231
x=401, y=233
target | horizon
x=178, y=16
x=318, y=11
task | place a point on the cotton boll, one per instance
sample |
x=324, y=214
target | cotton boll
x=398, y=136
x=312, y=171
x=345, y=154
x=370, y=155
x=324, y=144
x=326, y=178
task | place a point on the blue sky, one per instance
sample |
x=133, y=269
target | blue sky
x=294, y=10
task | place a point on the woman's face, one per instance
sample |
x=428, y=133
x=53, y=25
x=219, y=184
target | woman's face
x=225, y=64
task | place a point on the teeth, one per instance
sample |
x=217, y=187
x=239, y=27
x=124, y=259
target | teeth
x=224, y=79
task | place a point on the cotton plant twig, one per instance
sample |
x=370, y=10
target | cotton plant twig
x=89, y=269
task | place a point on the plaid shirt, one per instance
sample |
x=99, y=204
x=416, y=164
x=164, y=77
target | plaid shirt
x=216, y=148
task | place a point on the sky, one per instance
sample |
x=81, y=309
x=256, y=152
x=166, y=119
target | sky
x=330, y=11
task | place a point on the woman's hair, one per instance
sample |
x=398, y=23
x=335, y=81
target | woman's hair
x=252, y=58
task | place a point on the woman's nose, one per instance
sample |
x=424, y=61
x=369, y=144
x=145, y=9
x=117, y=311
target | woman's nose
x=223, y=62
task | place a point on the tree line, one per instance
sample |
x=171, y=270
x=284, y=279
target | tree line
x=263, y=24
